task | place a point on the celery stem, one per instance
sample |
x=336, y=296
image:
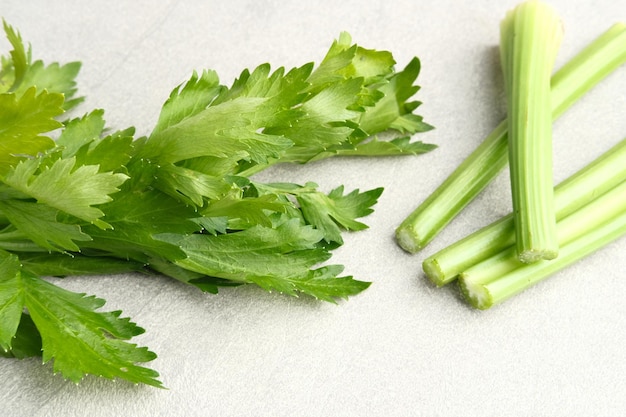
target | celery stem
x=604, y=55
x=581, y=233
x=592, y=181
x=531, y=35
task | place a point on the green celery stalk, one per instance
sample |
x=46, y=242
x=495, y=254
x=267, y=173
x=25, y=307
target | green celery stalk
x=590, y=228
x=604, y=55
x=530, y=37
x=592, y=181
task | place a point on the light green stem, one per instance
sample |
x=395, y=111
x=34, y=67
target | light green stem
x=583, y=232
x=530, y=37
x=592, y=181
x=604, y=55
x=581, y=188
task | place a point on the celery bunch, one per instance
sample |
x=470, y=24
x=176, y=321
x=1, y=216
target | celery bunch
x=181, y=202
x=549, y=228
x=600, y=176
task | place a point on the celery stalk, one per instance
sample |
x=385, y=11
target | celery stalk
x=604, y=55
x=581, y=233
x=531, y=36
x=592, y=181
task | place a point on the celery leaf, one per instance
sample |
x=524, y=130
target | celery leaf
x=75, y=264
x=11, y=298
x=40, y=223
x=74, y=190
x=13, y=69
x=397, y=146
x=281, y=258
x=22, y=121
x=80, y=339
x=54, y=78
x=26, y=342
x=330, y=212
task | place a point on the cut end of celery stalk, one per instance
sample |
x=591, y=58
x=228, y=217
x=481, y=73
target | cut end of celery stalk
x=532, y=255
x=476, y=295
x=588, y=229
x=434, y=272
x=408, y=239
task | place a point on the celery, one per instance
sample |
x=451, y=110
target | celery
x=531, y=35
x=581, y=188
x=574, y=79
x=579, y=234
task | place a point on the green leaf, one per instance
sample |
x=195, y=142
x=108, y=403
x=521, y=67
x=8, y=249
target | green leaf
x=81, y=138
x=81, y=340
x=324, y=123
x=243, y=212
x=303, y=115
x=188, y=185
x=232, y=123
x=277, y=259
x=19, y=74
x=330, y=212
x=213, y=166
x=339, y=56
x=136, y=215
x=75, y=264
x=288, y=250
x=22, y=121
x=393, y=147
x=78, y=338
x=11, y=298
x=323, y=284
x=74, y=190
x=110, y=153
x=39, y=222
x=20, y=60
x=27, y=340
x=213, y=225
x=220, y=131
x=54, y=78
x=188, y=99
x=80, y=131
x=393, y=111
x=283, y=90
x=346, y=60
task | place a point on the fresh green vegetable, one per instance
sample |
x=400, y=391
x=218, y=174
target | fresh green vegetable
x=591, y=227
x=181, y=202
x=590, y=207
x=531, y=35
x=594, y=180
x=579, y=75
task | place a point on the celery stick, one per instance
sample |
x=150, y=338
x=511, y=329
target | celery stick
x=474, y=173
x=531, y=36
x=581, y=188
x=604, y=55
x=581, y=233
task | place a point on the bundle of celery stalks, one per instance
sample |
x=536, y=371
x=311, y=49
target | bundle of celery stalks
x=550, y=228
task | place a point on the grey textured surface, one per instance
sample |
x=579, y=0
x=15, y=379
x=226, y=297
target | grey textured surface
x=402, y=347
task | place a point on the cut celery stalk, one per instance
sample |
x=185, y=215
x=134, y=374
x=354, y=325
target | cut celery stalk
x=502, y=276
x=604, y=55
x=604, y=173
x=530, y=38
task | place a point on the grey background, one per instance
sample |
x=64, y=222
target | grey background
x=403, y=347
